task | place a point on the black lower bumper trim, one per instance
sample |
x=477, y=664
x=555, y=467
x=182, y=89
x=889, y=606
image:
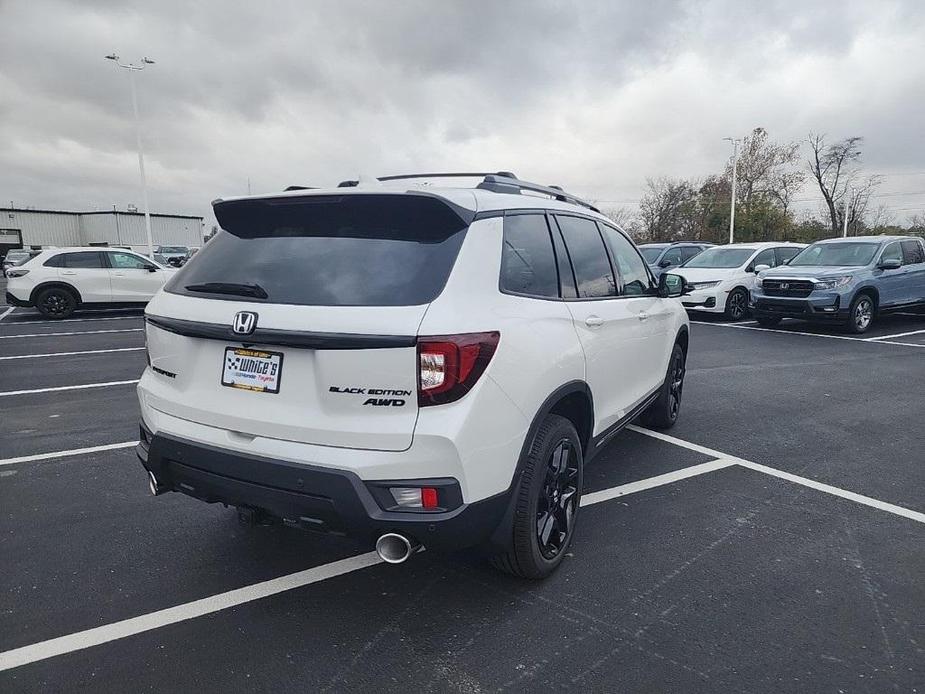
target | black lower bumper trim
x=13, y=301
x=312, y=497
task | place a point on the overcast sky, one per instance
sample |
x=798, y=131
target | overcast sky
x=594, y=97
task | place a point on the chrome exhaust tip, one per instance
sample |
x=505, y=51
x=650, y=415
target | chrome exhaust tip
x=393, y=548
x=153, y=486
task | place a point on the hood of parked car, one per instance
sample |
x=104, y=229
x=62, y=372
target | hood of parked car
x=808, y=271
x=705, y=274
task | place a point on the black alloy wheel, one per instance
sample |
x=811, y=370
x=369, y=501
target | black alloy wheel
x=545, y=501
x=737, y=304
x=557, y=503
x=663, y=412
x=56, y=303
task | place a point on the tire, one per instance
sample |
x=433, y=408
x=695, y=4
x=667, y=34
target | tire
x=861, y=314
x=768, y=321
x=736, y=304
x=663, y=413
x=552, y=477
x=56, y=302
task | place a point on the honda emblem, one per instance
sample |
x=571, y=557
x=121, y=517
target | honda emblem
x=244, y=322
x=783, y=285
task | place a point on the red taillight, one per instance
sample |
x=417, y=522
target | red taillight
x=429, y=497
x=449, y=365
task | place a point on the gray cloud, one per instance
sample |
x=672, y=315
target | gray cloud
x=594, y=95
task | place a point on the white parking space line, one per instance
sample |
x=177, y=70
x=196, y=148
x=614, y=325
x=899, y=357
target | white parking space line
x=180, y=613
x=890, y=337
x=7, y=312
x=881, y=341
x=805, y=481
x=71, y=354
x=77, y=332
x=65, y=454
x=215, y=603
x=59, y=388
x=835, y=491
x=658, y=481
x=73, y=320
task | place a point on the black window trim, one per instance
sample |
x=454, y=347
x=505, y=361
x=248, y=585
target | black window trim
x=553, y=228
x=537, y=213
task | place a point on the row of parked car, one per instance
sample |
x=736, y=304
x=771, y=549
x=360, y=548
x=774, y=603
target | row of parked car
x=843, y=281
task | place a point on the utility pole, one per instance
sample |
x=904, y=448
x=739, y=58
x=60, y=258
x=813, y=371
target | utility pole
x=844, y=232
x=132, y=69
x=732, y=204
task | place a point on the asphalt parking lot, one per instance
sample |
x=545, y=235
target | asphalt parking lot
x=775, y=541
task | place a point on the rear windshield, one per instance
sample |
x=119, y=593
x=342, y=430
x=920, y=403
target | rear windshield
x=846, y=253
x=650, y=254
x=720, y=258
x=351, y=250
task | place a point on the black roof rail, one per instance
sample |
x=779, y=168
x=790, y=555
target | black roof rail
x=476, y=174
x=506, y=184
x=498, y=182
x=300, y=188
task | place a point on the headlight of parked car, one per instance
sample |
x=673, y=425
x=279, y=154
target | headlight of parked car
x=704, y=285
x=833, y=282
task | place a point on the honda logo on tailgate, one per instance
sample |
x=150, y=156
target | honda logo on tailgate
x=244, y=323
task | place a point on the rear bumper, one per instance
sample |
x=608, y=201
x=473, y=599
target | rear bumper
x=13, y=301
x=824, y=306
x=315, y=498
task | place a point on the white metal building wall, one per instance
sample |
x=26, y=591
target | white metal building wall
x=42, y=228
x=45, y=228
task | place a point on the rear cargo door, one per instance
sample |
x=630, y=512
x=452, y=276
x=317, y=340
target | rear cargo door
x=299, y=320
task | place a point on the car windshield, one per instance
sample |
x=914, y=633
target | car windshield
x=846, y=253
x=651, y=254
x=173, y=249
x=18, y=257
x=720, y=258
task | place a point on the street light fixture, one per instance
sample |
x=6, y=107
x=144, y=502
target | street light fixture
x=732, y=209
x=132, y=69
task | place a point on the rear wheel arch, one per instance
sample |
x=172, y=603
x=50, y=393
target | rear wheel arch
x=55, y=285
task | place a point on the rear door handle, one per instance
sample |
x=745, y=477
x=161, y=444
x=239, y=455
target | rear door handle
x=119, y=274
x=594, y=321
x=65, y=272
x=643, y=315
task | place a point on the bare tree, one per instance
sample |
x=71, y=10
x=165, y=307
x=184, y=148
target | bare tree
x=666, y=209
x=767, y=170
x=834, y=167
x=858, y=198
x=624, y=217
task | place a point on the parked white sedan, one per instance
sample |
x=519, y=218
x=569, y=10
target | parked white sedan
x=58, y=282
x=722, y=276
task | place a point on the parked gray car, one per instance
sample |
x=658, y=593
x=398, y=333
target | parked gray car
x=664, y=256
x=848, y=281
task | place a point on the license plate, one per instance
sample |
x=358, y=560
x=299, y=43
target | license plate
x=251, y=369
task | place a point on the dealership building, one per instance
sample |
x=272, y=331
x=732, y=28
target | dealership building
x=27, y=228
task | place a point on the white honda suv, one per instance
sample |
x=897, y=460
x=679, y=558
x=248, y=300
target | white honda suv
x=58, y=282
x=409, y=365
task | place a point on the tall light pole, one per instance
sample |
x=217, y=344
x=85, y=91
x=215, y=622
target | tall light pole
x=132, y=69
x=844, y=230
x=735, y=162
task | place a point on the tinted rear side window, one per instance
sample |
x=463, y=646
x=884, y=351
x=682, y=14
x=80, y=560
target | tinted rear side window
x=912, y=252
x=350, y=250
x=589, y=257
x=88, y=259
x=528, y=265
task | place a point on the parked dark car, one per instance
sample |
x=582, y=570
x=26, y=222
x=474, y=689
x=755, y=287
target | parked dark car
x=663, y=256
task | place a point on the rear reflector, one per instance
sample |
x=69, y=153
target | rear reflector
x=450, y=365
x=415, y=497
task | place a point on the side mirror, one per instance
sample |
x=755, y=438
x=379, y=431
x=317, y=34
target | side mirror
x=890, y=264
x=151, y=268
x=664, y=263
x=671, y=285
x=759, y=268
